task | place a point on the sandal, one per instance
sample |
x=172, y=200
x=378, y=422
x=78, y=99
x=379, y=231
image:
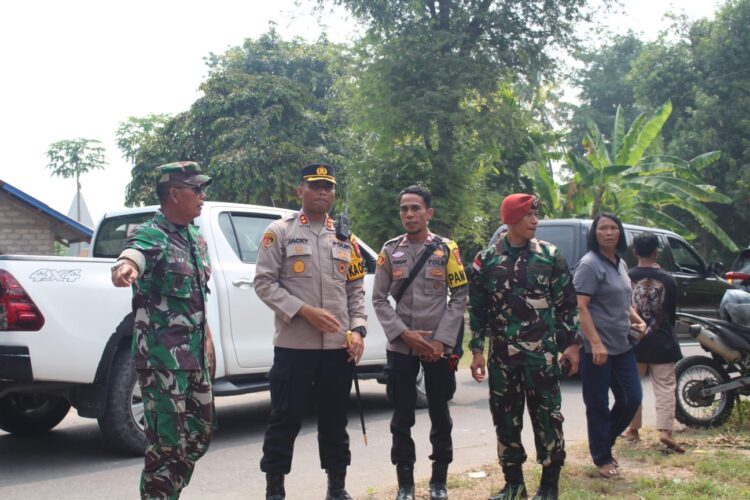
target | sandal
x=672, y=445
x=615, y=462
x=608, y=471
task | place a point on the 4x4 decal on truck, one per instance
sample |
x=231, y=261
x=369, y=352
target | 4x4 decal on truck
x=69, y=275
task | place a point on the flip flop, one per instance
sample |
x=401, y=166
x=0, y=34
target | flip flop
x=611, y=473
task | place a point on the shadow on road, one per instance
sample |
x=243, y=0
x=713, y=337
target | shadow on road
x=77, y=446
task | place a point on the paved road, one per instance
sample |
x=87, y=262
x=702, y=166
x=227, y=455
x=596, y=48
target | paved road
x=73, y=462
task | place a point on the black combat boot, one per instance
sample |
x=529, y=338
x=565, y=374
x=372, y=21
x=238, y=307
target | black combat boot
x=405, y=474
x=438, y=481
x=275, y=487
x=514, y=488
x=548, y=485
x=337, y=485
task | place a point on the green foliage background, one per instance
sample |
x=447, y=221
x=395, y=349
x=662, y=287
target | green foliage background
x=462, y=96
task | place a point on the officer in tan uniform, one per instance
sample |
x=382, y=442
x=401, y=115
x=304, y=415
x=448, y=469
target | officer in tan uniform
x=422, y=329
x=313, y=280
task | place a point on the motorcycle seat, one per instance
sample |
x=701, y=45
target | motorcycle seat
x=735, y=336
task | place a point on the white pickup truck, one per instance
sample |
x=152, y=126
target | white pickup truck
x=65, y=331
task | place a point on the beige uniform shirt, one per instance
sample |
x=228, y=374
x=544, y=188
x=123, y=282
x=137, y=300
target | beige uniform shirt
x=425, y=305
x=297, y=266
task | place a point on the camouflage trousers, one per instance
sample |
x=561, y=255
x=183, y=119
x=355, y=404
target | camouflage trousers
x=510, y=386
x=178, y=411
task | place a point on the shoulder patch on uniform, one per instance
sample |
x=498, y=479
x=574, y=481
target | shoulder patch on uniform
x=268, y=239
x=381, y=259
x=551, y=249
x=357, y=268
x=455, y=268
x=355, y=246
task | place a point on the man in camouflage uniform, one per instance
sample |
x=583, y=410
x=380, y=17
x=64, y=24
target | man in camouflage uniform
x=421, y=329
x=166, y=261
x=520, y=291
x=311, y=275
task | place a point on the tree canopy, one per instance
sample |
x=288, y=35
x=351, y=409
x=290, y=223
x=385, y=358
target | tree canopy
x=462, y=96
x=268, y=108
x=702, y=68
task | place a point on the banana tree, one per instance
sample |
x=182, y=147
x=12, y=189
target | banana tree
x=620, y=177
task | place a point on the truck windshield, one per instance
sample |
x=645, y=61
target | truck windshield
x=113, y=232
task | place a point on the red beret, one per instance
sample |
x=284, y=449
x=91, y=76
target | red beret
x=516, y=205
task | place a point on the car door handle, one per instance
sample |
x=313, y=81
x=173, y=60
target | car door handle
x=243, y=282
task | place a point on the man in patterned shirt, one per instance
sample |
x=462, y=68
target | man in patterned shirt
x=166, y=262
x=520, y=291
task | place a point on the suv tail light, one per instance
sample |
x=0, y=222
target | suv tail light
x=736, y=278
x=17, y=310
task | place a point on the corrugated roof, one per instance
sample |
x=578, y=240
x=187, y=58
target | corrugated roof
x=79, y=231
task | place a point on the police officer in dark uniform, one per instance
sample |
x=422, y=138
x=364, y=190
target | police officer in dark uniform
x=313, y=280
x=422, y=330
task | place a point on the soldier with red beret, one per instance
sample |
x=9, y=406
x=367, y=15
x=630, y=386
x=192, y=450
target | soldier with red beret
x=520, y=291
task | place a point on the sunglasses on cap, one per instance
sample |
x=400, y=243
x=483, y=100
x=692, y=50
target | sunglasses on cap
x=196, y=189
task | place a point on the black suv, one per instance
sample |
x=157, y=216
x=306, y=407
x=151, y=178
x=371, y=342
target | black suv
x=699, y=286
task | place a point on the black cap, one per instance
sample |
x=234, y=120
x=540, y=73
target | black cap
x=319, y=172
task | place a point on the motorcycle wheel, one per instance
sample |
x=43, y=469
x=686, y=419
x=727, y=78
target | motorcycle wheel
x=693, y=374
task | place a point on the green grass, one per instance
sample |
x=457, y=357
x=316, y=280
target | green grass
x=716, y=465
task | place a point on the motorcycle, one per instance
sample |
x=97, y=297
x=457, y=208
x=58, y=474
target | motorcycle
x=707, y=387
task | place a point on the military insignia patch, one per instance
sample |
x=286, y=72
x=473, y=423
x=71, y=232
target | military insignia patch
x=381, y=260
x=355, y=246
x=437, y=273
x=321, y=170
x=343, y=254
x=397, y=273
x=455, y=268
x=398, y=254
x=437, y=284
x=342, y=267
x=477, y=264
x=299, y=249
x=329, y=224
x=268, y=239
x=438, y=253
x=303, y=220
x=457, y=255
x=298, y=266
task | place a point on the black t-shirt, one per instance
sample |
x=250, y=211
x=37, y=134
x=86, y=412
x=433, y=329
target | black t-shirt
x=655, y=299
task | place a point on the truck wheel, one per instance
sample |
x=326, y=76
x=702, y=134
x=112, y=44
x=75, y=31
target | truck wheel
x=28, y=414
x=693, y=374
x=123, y=420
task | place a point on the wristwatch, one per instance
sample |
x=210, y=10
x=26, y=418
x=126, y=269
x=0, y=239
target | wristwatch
x=361, y=330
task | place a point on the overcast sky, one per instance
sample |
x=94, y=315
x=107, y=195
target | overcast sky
x=76, y=68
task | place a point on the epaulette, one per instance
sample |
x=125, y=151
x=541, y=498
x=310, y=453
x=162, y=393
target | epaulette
x=540, y=244
x=394, y=240
x=289, y=217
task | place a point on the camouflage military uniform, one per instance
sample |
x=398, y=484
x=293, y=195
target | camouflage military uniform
x=517, y=296
x=168, y=351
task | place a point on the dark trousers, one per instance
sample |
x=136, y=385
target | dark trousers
x=297, y=374
x=620, y=374
x=440, y=382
